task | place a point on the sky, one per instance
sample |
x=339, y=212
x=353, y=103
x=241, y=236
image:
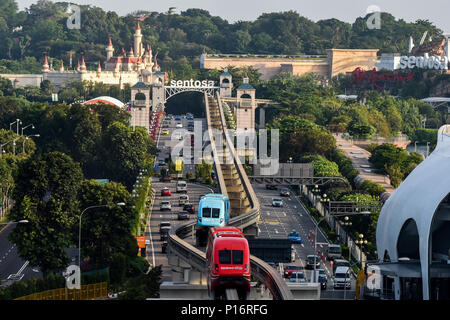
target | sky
x=437, y=11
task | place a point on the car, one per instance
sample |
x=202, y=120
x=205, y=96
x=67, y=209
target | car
x=166, y=192
x=165, y=205
x=297, y=277
x=294, y=236
x=177, y=118
x=164, y=233
x=191, y=129
x=179, y=125
x=334, y=251
x=271, y=187
x=165, y=179
x=189, y=207
x=289, y=269
x=164, y=224
x=183, y=215
x=189, y=117
x=165, y=132
x=161, y=162
x=284, y=192
x=323, y=279
x=181, y=186
x=311, y=260
x=342, y=278
x=277, y=202
x=184, y=198
x=169, y=117
x=340, y=263
x=164, y=247
x=165, y=125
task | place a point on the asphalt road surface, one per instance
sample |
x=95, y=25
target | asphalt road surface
x=11, y=265
x=279, y=222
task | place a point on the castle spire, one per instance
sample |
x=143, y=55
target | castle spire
x=61, y=69
x=99, y=67
x=45, y=67
x=78, y=65
x=138, y=26
x=83, y=65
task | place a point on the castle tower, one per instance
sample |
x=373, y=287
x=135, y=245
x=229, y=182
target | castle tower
x=99, y=68
x=45, y=67
x=225, y=83
x=140, y=105
x=83, y=65
x=158, y=92
x=78, y=65
x=131, y=53
x=246, y=106
x=109, y=50
x=61, y=69
x=138, y=50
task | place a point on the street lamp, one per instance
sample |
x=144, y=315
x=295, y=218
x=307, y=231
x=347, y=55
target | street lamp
x=23, y=128
x=18, y=121
x=415, y=146
x=428, y=149
x=15, y=222
x=361, y=242
x=26, y=138
x=79, y=229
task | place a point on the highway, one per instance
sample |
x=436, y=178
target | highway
x=279, y=222
x=10, y=262
x=274, y=222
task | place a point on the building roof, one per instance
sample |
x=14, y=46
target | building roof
x=140, y=85
x=106, y=100
x=124, y=60
x=246, y=86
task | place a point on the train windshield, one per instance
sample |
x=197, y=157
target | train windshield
x=206, y=212
x=225, y=257
x=238, y=257
x=211, y=212
x=215, y=212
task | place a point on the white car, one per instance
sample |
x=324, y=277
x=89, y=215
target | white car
x=297, y=277
x=183, y=199
x=179, y=125
x=342, y=278
x=165, y=205
x=277, y=202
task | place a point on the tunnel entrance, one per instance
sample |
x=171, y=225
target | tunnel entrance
x=184, y=102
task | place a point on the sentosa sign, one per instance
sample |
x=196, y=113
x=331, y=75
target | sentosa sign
x=192, y=83
x=425, y=62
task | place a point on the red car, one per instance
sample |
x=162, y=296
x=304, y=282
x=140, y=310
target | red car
x=165, y=192
x=289, y=269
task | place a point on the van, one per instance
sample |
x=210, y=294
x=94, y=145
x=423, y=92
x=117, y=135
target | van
x=181, y=186
x=340, y=263
x=334, y=251
x=342, y=278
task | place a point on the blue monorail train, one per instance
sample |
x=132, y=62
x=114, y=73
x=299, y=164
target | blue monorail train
x=213, y=211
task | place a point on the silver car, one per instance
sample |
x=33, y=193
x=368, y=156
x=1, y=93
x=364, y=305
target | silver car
x=277, y=202
x=165, y=205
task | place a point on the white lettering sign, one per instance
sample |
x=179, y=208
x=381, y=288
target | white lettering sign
x=192, y=83
x=425, y=62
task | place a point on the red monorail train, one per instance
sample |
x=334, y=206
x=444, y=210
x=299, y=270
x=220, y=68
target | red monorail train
x=228, y=262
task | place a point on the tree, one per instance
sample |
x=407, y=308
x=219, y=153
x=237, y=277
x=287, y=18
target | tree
x=107, y=231
x=125, y=152
x=46, y=193
x=6, y=184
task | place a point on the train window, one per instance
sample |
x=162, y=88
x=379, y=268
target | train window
x=238, y=257
x=206, y=212
x=225, y=256
x=215, y=212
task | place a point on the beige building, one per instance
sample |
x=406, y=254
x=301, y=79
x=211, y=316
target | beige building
x=335, y=62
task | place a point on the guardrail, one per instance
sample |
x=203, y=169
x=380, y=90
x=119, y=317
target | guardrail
x=196, y=258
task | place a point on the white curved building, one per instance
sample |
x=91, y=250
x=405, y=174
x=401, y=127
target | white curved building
x=413, y=230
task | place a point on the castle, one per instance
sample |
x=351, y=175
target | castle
x=127, y=68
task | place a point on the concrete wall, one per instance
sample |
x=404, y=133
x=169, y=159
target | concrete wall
x=347, y=60
x=24, y=79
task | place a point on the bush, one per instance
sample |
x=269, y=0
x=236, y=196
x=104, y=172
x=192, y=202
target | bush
x=372, y=188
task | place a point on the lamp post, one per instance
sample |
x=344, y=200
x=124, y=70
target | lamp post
x=79, y=229
x=26, y=138
x=361, y=242
x=415, y=146
x=428, y=148
x=18, y=121
x=15, y=222
x=30, y=125
x=1, y=148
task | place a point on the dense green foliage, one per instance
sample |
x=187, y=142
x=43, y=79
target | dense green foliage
x=180, y=38
x=394, y=161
